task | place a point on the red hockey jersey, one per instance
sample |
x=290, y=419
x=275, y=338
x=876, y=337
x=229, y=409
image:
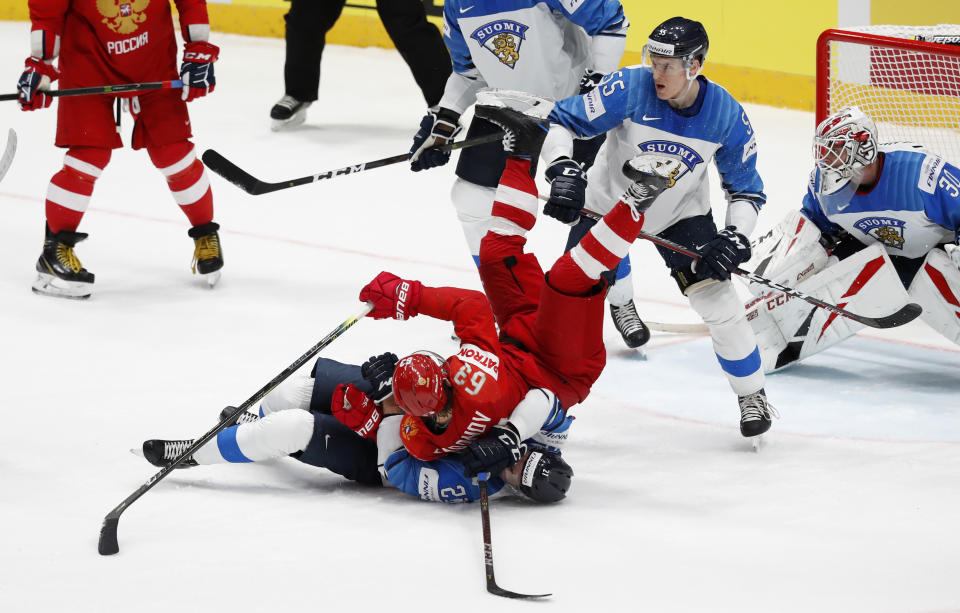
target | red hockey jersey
x=106, y=42
x=487, y=384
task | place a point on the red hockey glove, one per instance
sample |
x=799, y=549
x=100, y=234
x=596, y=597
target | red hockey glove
x=196, y=71
x=355, y=410
x=37, y=77
x=392, y=297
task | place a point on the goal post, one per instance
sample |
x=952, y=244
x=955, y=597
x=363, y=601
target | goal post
x=907, y=78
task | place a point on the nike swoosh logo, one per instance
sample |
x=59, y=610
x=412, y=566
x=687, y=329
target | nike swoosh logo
x=326, y=441
x=645, y=118
x=462, y=11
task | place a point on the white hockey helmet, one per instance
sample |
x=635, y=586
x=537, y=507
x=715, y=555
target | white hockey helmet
x=843, y=144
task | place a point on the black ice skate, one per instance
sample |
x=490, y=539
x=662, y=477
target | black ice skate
x=244, y=418
x=524, y=130
x=162, y=453
x=207, y=255
x=755, y=413
x=59, y=271
x=628, y=323
x=650, y=174
x=288, y=112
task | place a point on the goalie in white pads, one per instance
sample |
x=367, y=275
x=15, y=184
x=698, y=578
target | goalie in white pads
x=878, y=228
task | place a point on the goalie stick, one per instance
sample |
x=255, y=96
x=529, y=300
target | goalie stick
x=905, y=314
x=492, y=586
x=108, y=544
x=8, y=152
x=252, y=185
x=104, y=89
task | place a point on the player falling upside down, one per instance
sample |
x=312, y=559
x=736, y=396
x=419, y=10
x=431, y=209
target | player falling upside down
x=102, y=42
x=501, y=390
x=883, y=219
x=668, y=106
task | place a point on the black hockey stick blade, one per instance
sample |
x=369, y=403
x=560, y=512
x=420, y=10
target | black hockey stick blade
x=108, y=543
x=254, y=186
x=905, y=315
x=492, y=586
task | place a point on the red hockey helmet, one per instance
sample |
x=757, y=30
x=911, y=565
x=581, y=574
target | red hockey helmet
x=418, y=383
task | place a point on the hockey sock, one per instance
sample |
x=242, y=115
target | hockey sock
x=68, y=194
x=515, y=204
x=274, y=436
x=608, y=242
x=187, y=179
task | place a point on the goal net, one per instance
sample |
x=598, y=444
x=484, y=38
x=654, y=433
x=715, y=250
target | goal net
x=906, y=77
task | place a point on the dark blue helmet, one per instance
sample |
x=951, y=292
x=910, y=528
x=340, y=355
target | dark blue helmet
x=545, y=477
x=679, y=37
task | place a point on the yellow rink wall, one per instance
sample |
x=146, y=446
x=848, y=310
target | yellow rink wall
x=761, y=51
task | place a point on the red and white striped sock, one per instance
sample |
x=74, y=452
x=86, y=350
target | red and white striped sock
x=601, y=249
x=68, y=194
x=187, y=179
x=515, y=204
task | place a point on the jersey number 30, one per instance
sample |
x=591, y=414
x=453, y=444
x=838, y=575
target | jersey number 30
x=477, y=379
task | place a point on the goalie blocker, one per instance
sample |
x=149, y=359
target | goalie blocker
x=789, y=330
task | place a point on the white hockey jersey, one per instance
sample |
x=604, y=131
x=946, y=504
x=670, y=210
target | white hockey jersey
x=538, y=46
x=626, y=107
x=913, y=207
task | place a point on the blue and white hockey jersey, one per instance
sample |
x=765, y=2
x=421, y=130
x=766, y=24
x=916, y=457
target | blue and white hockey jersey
x=537, y=46
x=626, y=107
x=913, y=207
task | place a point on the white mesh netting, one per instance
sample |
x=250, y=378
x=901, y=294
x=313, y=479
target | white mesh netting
x=912, y=95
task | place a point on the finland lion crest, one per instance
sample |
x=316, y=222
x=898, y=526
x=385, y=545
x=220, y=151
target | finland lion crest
x=502, y=38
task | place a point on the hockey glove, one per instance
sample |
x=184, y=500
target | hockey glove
x=196, y=71
x=437, y=128
x=589, y=80
x=568, y=188
x=500, y=448
x=392, y=297
x=356, y=410
x=378, y=372
x=36, y=78
x=722, y=255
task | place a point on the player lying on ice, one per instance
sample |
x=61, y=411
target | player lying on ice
x=885, y=222
x=500, y=392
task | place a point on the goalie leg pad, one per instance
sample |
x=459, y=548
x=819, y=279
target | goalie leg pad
x=937, y=289
x=734, y=343
x=474, y=206
x=787, y=254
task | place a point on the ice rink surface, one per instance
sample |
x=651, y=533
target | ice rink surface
x=852, y=506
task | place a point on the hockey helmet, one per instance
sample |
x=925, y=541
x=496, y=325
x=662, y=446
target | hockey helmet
x=545, y=477
x=418, y=383
x=843, y=144
x=678, y=37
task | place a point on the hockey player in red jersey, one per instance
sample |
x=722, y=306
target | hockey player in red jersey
x=107, y=42
x=451, y=403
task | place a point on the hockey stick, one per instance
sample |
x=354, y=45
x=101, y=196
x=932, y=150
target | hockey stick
x=657, y=326
x=7, y=158
x=108, y=544
x=104, y=89
x=492, y=586
x=252, y=185
x=905, y=314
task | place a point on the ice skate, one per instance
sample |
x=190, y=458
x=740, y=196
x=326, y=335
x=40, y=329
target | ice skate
x=756, y=413
x=524, y=129
x=628, y=323
x=207, y=255
x=650, y=174
x=287, y=113
x=59, y=271
x=244, y=418
x=162, y=453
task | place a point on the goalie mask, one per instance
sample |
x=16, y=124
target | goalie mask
x=843, y=144
x=418, y=383
x=680, y=38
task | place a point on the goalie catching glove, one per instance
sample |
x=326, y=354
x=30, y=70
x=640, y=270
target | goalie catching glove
x=501, y=448
x=355, y=410
x=392, y=297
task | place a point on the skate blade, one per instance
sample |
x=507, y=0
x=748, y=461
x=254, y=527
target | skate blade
x=49, y=285
x=758, y=442
x=138, y=452
x=279, y=125
x=211, y=278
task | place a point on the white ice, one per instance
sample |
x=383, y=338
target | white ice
x=852, y=506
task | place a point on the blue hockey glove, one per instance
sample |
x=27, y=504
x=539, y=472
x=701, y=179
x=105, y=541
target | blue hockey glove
x=722, y=255
x=500, y=448
x=568, y=188
x=378, y=372
x=437, y=128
